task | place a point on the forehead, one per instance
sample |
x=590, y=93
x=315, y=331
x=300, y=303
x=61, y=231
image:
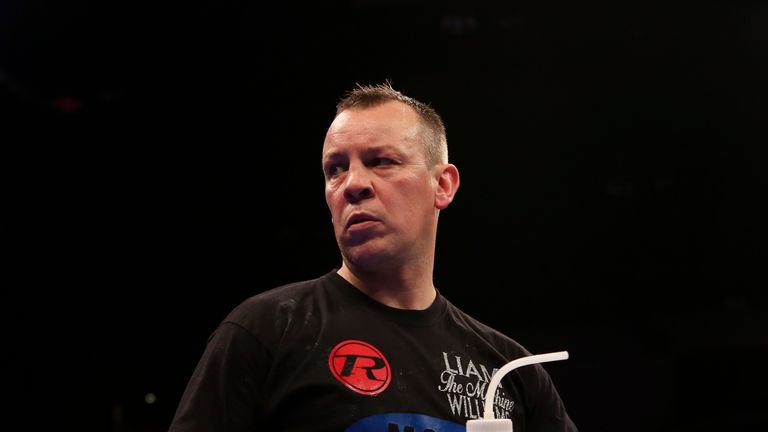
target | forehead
x=392, y=124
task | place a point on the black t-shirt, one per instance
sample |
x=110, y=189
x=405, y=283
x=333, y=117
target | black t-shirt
x=320, y=355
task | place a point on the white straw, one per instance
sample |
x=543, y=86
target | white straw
x=514, y=364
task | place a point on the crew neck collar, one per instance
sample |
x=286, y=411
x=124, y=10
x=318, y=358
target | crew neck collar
x=408, y=317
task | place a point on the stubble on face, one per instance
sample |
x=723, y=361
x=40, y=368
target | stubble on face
x=400, y=191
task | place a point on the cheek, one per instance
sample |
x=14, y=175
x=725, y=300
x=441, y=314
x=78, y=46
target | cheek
x=329, y=194
x=332, y=201
x=416, y=198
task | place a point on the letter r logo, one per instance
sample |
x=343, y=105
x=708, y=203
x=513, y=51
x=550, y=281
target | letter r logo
x=360, y=366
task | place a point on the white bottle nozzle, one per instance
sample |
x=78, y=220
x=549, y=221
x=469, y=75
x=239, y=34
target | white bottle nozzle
x=490, y=424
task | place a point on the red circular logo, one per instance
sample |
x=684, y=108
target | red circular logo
x=360, y=367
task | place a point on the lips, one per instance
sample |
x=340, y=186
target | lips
x=359, y=218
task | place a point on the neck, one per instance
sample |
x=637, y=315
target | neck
x=402, y=290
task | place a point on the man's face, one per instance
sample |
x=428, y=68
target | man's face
x=379, y=190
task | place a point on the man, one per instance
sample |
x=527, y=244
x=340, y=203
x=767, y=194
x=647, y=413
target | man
x=372, y=346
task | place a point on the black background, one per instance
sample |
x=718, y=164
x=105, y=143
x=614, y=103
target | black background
x=163, y=164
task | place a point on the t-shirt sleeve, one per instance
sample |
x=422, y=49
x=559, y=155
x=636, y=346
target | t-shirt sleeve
x=226, y=390
x=547, y=412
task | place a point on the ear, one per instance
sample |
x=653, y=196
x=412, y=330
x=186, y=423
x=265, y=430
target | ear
x=447, y=177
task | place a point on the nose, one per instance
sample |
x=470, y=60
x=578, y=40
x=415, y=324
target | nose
x=358, y=184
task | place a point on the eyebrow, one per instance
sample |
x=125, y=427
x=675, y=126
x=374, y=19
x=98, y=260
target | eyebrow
x=366, y=152
x=331, y=156
x=381, y=148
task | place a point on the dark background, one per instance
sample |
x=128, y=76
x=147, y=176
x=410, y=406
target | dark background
x=163, y=164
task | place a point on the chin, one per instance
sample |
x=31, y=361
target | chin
x=368, y=258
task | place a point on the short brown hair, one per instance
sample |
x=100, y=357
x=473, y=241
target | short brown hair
x=366, y=96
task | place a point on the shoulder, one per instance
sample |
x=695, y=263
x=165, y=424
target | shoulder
x=282, y=308
x=479, y=329
x=280, y=298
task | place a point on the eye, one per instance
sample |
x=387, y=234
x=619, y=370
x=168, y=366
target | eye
x=382, y=161
x=332, y=170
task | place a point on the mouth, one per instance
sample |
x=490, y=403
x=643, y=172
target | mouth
x=360, y=218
